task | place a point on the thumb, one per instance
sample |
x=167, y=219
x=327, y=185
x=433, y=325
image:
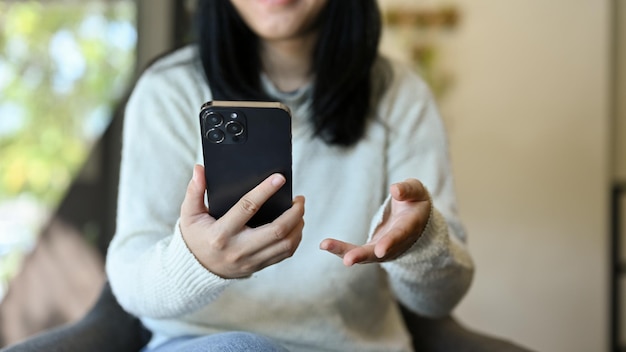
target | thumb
x=411, y=190
x=193, y=204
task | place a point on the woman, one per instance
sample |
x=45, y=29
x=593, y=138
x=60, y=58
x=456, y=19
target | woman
x=367, y=144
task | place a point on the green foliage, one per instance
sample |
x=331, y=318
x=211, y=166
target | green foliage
x=62, y=67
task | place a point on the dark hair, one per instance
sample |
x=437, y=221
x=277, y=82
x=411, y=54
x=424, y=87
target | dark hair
x=349, y=32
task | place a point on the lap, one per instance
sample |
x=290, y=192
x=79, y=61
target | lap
x=234, y=341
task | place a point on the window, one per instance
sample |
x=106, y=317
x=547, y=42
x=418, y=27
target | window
x=63, y=65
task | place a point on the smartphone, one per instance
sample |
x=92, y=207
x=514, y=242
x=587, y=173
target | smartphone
x=243, y=142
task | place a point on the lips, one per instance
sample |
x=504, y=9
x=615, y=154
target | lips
x=277, y=2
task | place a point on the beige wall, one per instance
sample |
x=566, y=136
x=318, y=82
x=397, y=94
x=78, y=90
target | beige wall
x=528, y=121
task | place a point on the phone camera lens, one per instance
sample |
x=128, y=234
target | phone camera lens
x=234, y=127
x=215, y=135
x=214, y=119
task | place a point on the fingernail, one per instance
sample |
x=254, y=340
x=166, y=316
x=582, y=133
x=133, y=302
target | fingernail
x=195, y=176
x=278, y=180
x=401, y=189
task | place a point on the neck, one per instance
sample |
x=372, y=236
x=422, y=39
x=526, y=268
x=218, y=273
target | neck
x=287, y=62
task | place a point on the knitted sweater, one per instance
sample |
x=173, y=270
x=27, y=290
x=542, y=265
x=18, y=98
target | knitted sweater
x=311, y=301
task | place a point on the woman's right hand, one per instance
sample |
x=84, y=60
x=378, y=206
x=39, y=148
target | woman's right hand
x=226, y=246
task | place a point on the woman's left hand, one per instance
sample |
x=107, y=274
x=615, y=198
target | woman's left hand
x=402, y=225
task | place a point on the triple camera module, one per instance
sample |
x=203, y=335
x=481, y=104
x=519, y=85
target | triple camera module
x=224, y=127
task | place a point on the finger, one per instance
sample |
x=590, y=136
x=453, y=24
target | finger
x=393, y=244
x=237, y=216
x=279, y=229
x=409, y=190
x=281, y=250
x=336, y=247
x=360, y=255
x=292, y=216
x=193, y=204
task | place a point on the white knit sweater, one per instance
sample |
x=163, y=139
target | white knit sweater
x=310, y=302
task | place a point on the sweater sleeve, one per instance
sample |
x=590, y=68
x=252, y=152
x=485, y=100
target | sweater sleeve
x=436, y=272
x=152, y=272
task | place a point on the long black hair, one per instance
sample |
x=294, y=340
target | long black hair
x=347, y=46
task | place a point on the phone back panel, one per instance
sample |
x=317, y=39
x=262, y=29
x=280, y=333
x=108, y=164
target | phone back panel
x=243, y=143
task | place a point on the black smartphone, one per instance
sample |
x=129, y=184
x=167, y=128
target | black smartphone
x=244, y=142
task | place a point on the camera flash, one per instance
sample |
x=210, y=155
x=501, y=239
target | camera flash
x=234, y=115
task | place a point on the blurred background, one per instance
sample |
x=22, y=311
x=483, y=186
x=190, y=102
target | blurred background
x=533, y=94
